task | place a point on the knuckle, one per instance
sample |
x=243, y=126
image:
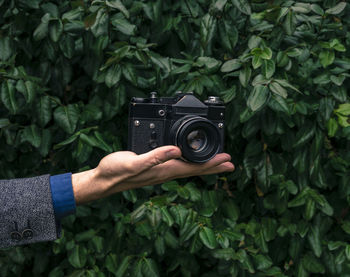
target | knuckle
x=157, y=160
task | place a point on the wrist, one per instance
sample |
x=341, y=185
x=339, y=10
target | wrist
x=88, y=186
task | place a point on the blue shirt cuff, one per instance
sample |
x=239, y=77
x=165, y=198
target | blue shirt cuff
x=62, y=195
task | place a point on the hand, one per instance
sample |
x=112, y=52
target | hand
x=125, y=170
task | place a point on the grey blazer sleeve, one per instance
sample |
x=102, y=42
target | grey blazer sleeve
x=26, y=211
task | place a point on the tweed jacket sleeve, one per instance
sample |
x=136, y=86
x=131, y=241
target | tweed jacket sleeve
x=26, y=211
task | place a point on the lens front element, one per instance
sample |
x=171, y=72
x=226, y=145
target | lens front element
x=197, y=140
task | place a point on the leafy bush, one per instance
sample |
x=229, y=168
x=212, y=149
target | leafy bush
x=67, y=72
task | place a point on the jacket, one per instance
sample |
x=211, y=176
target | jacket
x=26, y=211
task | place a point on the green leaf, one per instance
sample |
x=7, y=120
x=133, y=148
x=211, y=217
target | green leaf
x=159, y=246
x=337, y=9
x=67, y=46
x=346, y=227
x=301, y=8
x=268, y=68
x=43, y=110
x=244, y=75
x=256, y=61
x=244, y=258
x=343, y=121
x=179, y=213
x=275, y=87
x=101, y=143
x=32, y=135
x=224, y=254
x=8, y=97
x=300, y=199
x=207, y=32
x=171, y=240
x=343, y=109
x=266, y=53
x=113, y=75
x=4, y=122
x=228, y=34
x=124, y=26
x=289, y=23
x=269, y=227
x=66, y=141
x=43, y=28
x=91, y=113
x=111, y=263
x=338, y=80
x=77, y=257
x=278, y=104
x=5, y=48
x=305, y=133
x=228, y=95
x=149, y=268
x=123, y=266
x=170, y=186
x=85, y=236
x=137, y=268
x=195, y=194
x=138, y=213
x=326, y=57
x=332, y=127
x=67, y=117
x=312, y=265
x=262, y=262
x=230, y=209
x=100, y=26
x=315, y=240
x=231, y=65
x=207, y=237
x=254, y=41
x=317, y=9
x=166, y=217
x=55, y=30
x=347, y=252
x=258, y=97
x=117, y=4
x=30, y=91
x=286, y=84
x=243, y=6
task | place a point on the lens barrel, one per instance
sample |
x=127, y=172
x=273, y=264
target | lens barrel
x=197, y=137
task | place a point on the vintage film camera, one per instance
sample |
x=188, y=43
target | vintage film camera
x=197, y=128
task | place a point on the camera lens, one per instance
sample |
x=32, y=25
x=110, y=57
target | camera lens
x=197, y=137
x=197, y=140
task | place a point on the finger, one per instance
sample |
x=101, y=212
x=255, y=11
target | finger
x=150, y=178
x=224, y=167
x=179, y=169
x=155, y=157
x=156, y=175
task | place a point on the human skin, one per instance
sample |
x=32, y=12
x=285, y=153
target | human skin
x=126, y=170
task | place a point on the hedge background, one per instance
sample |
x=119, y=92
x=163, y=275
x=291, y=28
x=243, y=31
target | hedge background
x=67, y=72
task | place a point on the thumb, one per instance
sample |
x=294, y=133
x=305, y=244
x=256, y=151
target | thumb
x=157, y=156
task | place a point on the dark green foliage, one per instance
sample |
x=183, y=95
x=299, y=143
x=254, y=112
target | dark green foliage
x=67, y=71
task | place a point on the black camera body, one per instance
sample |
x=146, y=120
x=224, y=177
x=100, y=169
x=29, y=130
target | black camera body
x=197, y=128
